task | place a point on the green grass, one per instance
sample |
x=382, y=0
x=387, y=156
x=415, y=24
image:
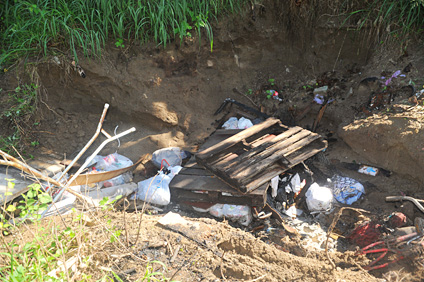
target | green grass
x=400, y=18
x=46, y=26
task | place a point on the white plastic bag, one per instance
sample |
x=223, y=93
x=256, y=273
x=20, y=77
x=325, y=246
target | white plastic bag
x=111, y=162
x=274, y=186
x=241, y=214
x=244, y=123
x=155, y=190
x=234, y=123
x=172, y=156
x=319, y=198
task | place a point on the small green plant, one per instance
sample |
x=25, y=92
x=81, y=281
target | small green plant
x=22, y=101
x=271, y=81
x=249, y=92
x=35, y=143
x=182, y=30
x=269, y=94
x=120, y=43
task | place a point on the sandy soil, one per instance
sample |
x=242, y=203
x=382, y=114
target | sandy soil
x=170, y=96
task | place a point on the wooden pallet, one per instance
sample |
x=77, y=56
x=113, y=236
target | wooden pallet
x=195, y=184
x=198, y=185
x=252, y=157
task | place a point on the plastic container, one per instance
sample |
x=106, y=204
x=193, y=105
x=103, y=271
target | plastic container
x=119, y=180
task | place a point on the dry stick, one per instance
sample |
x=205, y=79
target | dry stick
x=125, y=223
x=36, y=174
x=174, y=256
x=222, y=267
x=319, y=117
x=333, y=224
x=144, y=207
x=182, y=265
x=250, y=99
x=338, y=56
x=96, y=134
x=257, y=279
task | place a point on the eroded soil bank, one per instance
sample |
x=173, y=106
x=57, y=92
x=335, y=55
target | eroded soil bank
x=170, y=96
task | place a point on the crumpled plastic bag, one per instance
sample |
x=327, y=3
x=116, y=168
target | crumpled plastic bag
x=111, y=162
x=173, y=156
x=234, y=123
x=155, y=190
x=346, y=190
x=231, y=123
x=319, y=198
x=241, y=214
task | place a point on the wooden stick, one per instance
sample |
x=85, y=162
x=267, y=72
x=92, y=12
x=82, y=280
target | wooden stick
x=174, y=256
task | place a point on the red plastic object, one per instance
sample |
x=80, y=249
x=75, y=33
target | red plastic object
x=365, y=234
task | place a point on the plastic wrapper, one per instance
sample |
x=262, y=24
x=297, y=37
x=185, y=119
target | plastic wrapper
x=346, y=190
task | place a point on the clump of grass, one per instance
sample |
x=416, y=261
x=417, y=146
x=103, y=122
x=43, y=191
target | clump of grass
x=399, y=17
x=44, y=26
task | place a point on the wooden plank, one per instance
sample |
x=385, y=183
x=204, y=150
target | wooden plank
x=189, y=196
x=308, y=152
x=266, y=156
x=200, y=182
x=264, y=177
x=251, y=171
x=243, y=158
x=218, y=136
x=195, y=171
x=207, y=153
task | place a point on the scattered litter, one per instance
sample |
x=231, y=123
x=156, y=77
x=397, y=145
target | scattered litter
x=293, y=212
x=394, y=75
x=366, y=169
x=322, y=89
x=369, y=170
x=312, y=233
x=234, y=123
x=346, y=190
x=273, y=94
x=241, y=214
x=319, y=198
x=111, y=193
x=110, y=162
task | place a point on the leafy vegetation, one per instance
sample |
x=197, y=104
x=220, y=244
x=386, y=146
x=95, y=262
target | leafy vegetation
x=37, y=249
x=19, y=106
x=46, y=26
